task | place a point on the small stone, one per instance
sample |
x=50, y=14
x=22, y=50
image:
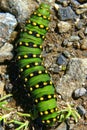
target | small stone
x=66, y=54
x=64, y=26
x=79, y=92
x=81, y=110
x=79, y=24
x=84, y=44
x=85, y=30
x=74, y=38
x=5, y=52
x=7, y=26
x=81, y=34
x=69, y=44
x=61, y=60
x=76, y=45
x=81, y=11
x=66, y=13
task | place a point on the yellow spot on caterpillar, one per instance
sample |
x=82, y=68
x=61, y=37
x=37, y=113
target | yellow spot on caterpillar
x=47, y=28
x=43, y=37
x=37, y=35
x=54, y=119
x=28, y=21
x=27, y=66
x=40, y=56
x=21, y=69
x=36, y=100
x=34, y=23
x=31, y=74
x=48, y=121
x=24, y=85
x=42, y=63
x=19, y=57
x=43, y=121
x=37, y=86
x=39, y=14
x=20, y=43
x=25, y=56
x=25, y=79
x=56, y=109
x=39, y=72
x=30, y=32
x=50, y=82
x=46, y=112
x=31, y=88
x=36, y=63
x=52, y=110
x=35, y=13
x=34, y=45
x=21, y=30
x=26, y=44
x=44, y=17
x=41, y=26
x=34, y=55
x=45, y=71
x=48, y=18
x=41, y=99
x=54, y=95
x=41, y=113
x=40, y=46
x=19, y=75
x=45, y=83
x=49, y=96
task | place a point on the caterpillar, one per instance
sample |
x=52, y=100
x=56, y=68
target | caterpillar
x=32, y=71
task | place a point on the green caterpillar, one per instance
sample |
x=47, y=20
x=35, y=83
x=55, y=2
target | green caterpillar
x=29, y=59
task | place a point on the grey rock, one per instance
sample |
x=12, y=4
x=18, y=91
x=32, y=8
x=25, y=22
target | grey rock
x=5, y=52
x=79, y=92
x=61, y=60
x=20, y=8
x=7, y=25
x=74, y=38
x=73, y=79
x=81, y=110
x=64, y=26
x=66, y=54
x=66, y=13
x=85, y=30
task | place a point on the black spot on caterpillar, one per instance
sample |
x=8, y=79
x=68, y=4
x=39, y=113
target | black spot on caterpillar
x=29, y=59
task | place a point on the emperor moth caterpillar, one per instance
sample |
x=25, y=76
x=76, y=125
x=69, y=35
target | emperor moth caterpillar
x=29, y=59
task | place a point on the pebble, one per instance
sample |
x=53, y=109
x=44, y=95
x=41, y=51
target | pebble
x=61, y=60
x=81, y=110
x=66, y=54
x=74, y=38
x=64, y=26
x=66, y=13
x=85, y=30
x=7, y=26
x=84, y=44
x=79, y=92
x=81, y=11
x=5, y=52
x=79, y=24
